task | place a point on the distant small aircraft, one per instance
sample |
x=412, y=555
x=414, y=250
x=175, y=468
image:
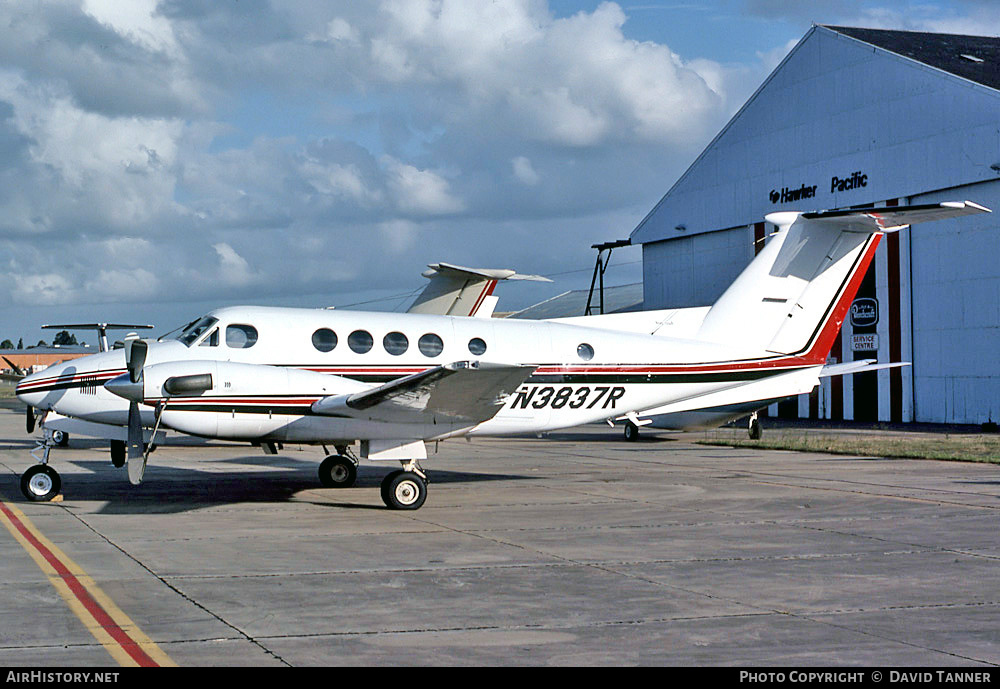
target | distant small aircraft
x=394, y=382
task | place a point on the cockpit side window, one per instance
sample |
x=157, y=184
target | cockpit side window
x=191, y=333
x=240, y=336
x=212, y=340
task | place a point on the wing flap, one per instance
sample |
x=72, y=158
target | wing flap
x=463, y=392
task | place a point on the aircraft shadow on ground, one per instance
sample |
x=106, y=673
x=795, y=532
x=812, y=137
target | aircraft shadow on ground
x=169, y=490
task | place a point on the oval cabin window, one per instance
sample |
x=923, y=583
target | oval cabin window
x=360, y=341
x=324, y=339
x=430, y=345
x=395, y=343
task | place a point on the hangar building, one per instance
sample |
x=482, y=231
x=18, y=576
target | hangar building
x=856, y=118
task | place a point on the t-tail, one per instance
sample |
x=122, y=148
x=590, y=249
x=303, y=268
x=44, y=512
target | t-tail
x=793, y=297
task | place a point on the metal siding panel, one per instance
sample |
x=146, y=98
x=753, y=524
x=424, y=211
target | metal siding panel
x=910, y=127
x=956, y=316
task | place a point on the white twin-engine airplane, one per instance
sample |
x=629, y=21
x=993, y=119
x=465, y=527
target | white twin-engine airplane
x=394, y=382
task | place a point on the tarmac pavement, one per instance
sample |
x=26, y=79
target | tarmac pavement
x=574, y=549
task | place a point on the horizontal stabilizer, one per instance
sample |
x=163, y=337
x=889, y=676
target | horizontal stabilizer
x=97, y=326
x=859, y=366
x=450, y=270
x=868, y=220
x=463, y=392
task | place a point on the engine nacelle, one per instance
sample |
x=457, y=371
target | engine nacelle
x=229, y=400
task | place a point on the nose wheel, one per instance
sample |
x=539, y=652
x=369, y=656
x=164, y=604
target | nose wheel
x=40, y=483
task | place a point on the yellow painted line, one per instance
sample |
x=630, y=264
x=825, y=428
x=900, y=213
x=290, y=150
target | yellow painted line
x=112, y=628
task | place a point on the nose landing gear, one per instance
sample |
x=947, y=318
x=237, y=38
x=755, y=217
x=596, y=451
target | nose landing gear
x=41, y=483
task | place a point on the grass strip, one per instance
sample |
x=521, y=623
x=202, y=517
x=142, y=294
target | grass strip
x=952, y=447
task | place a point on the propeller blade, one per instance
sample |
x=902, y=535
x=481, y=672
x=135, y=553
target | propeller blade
x=136, y=458
x=135, y=358
x=14, y=367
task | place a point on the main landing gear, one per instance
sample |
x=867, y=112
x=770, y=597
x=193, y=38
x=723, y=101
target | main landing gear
x=338, y=471
x=403, y=489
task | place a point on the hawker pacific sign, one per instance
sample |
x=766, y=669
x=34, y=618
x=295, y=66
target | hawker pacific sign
x=786, y=194
x=855, y=180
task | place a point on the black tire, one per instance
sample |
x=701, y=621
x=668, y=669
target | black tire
x=29, y=420
x=404, y=490
x=385, y=484
x=118, y=453
x=631, y=432
x=337, y=471
x=755, y=430
x=60, y=438
x=40, y=483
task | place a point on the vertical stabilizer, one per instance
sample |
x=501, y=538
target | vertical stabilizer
x=794, y=295
x=460, y=291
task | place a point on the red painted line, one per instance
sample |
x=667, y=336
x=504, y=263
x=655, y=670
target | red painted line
x=100, y=615
x=824, y=342
x=488, y=290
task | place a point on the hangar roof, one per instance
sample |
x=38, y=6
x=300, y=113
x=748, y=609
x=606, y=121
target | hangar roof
x=976, y=58
x=823, y=131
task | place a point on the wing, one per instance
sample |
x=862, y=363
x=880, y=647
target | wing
x=463, y=393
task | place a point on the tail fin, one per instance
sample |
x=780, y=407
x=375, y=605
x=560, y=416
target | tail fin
x=460, y=291
x=794, y=295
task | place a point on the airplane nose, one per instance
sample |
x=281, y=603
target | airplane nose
x=125, y=388
x=27, y=391
x=36, y=390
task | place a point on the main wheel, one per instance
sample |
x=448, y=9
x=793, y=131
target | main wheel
x=60, y=438
x=40, y=483
x=631, y=432
x=754, y=430
x=337, y=471
x=404, y=490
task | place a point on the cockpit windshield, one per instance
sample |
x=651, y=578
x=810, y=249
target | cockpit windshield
x=191, y=333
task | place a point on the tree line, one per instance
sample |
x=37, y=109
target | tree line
x=62, y=338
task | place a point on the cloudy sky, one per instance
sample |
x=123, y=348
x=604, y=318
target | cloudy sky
x=159, y=158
